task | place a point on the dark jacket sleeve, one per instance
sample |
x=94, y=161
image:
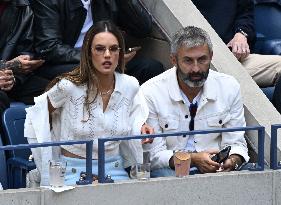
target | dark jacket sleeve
x=134, y=18
x=16, y=32
x=49, y=34
x=245, y=19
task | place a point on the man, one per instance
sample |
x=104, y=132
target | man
x=60, y=27
x=16, y=53
x=233, y=20
x=191, y=96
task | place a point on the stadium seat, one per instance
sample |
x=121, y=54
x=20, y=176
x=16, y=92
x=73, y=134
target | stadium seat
x=268, y=92
x=268, y=27
x=18, y=163
x=17, y=104
x=3, y=168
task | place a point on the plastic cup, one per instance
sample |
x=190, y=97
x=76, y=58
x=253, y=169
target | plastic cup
x=56, y=173
x=182, y=162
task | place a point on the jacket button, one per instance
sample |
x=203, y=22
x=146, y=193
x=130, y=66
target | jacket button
x=220, y=121
x=186, y=116
x=166, y=126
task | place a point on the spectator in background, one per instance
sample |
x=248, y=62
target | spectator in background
x=60, y=27
x=95, y=100
x=190, y=95
x=16, y=53
x=233, y=20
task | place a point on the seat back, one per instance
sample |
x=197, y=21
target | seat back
x=13, y=124
x=3, y=168
x=267, y=20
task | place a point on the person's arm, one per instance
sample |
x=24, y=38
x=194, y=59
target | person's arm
x=134, y=18
x=243, y=29
x=25, y=42
x=239, y=150
x=159, y=154
x=48, y=34
x=245, y=19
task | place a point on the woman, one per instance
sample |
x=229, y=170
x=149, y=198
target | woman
x=94, y=100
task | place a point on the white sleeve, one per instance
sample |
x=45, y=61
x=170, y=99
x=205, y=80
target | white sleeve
x=236, y=139
x=159, y=154
x=59, y=93
x=131, y=150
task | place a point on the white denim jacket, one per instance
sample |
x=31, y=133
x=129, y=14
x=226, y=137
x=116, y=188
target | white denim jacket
x=220, y=106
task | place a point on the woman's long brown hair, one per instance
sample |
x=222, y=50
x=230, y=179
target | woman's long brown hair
x=85, y=73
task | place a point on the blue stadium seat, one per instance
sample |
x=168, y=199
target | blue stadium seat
x=3, y=168
x=268, y=27
x=268, y=92
x=17, y=104
x=18, y=163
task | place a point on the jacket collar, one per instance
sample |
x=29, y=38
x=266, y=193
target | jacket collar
x=209, y=88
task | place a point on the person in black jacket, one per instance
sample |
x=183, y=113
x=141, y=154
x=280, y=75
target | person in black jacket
x=17, y=79
x=233, y=20
x=60, y=26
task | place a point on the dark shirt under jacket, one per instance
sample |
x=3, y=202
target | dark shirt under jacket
x=227, y=16
x=58, y=24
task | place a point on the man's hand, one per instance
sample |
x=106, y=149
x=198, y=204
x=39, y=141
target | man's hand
x=239, y=46
x=146, y=129
x=231, y=162
x=7, y=80
x=27, y=64
x=202, y=160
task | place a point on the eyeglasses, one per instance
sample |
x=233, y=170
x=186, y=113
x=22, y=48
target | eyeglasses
x=100, y=50
x=192, y=111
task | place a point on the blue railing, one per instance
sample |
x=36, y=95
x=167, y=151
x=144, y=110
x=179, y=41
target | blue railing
x=101, y=141
x=261, y=133
x=89, y=151
x=274, y=164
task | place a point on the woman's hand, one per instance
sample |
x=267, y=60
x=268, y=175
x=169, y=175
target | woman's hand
x=146, y=129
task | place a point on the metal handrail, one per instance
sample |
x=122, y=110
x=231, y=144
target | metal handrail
x=274, y=164
x=101, y=148
x=261, y=134
x=89, y=151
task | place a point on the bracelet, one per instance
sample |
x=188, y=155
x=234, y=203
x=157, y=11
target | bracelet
x=239, y=30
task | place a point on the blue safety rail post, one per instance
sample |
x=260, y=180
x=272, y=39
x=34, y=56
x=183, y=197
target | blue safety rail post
x=89, y=151
x=261, y=132
x=274, y=164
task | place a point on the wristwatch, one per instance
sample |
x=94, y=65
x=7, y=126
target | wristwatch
x=234, y=162
x=239, y=30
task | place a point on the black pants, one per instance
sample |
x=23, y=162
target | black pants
x=141, y=68
x=276, y=100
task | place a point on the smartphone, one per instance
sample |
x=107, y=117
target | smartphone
x=222, y=155
x=133, y=49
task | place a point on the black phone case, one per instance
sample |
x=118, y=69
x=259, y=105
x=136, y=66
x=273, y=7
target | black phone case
x=222, y=155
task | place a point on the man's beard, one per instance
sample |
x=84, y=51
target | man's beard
x=187, y=78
